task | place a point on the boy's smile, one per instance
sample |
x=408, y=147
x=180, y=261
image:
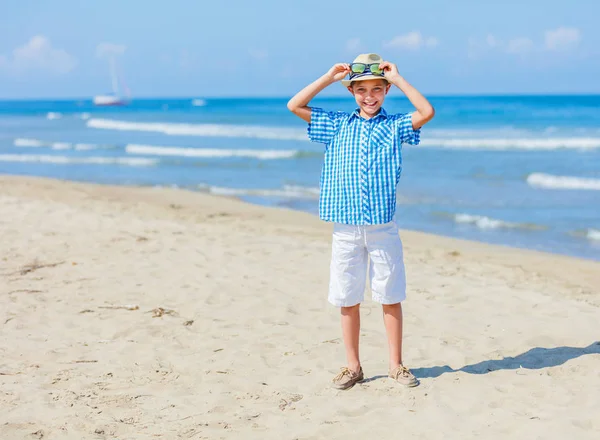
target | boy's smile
x=369, y=95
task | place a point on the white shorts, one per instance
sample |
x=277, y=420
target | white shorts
x=355, y=249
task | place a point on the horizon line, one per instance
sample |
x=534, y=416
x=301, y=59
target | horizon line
x=434, y=95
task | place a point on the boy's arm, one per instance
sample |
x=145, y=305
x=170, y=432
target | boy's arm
x=425, y=111
x=299, y=103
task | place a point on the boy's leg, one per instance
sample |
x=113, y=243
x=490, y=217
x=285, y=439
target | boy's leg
x=392, y=317
x=353, y=373
x=351, y=333
x=388, y=287
x=346, y=290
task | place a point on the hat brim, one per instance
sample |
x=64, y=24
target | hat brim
x=347, y=82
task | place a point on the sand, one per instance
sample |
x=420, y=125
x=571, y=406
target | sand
x=144, y=313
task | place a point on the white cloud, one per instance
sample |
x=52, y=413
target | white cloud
x=478, y=47
x=492, y=41
x=354, y=45
x=258, y=54
x=431, y=42
x=38, y=54
x=562, y=38
x=519, y=46
x=109, y=49
x=514, y=46
x=411, y=41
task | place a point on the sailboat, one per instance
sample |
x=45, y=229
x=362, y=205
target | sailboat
x=114, y=98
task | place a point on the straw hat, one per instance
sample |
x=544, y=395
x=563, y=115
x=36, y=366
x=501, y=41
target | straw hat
x=364, y=58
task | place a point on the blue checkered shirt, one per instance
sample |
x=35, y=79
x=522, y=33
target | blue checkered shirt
x=362, y=164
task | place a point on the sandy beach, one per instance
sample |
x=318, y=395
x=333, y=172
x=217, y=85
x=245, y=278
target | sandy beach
x=144, y=313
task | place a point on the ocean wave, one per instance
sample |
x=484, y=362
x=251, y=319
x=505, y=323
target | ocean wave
x=593, y=234
x=493, y=132
x=26, y=142
x=64, y=160
x=90, y=147
x=483, y=222
x=157, y=150
x=198, y=102
x=53, y=115
x=61, y=146
x=581, y=143
x=206, y=130
x=590, y=234
x=548, y=181
x=299, y=134
x=288, y=191
x=208, y=152
x=36, y=143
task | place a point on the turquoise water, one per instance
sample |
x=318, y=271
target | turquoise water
x=520, y=171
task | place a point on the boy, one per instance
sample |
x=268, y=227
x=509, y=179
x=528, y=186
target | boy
x=358, y=193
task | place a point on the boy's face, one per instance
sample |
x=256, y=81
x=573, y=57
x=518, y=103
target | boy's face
x=369, y=95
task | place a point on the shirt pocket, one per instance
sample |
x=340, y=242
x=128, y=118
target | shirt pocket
x=383, y=148
x=383, y=135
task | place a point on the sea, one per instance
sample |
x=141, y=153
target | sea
x=521, y=171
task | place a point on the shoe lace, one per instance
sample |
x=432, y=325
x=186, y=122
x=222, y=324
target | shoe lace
x=401, y=370
x=345, y=372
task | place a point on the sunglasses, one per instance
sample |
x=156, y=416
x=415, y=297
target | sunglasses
x=358, y=68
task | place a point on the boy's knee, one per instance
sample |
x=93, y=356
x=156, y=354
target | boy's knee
x=349, y=310
x=390, y=307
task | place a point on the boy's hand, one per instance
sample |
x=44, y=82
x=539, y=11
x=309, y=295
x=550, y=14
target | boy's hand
x=425, y=111
x=338, y=71
x=390, y=71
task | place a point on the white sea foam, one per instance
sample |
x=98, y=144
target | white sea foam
x=36, y=143
x=198, y=102
x=550, y=143
x=590, y=234
x=288, y=191
x=63, y=160
x=25, y=142
x=298, y=189
x=53, y=115
x=86, y=147
x=446, y=139
x=208, y=152
x=550, y=181
x=155, y=150
x=207, y=130
x=61, y=146
x=593, y=234
x=483, y=222
x=496, y=132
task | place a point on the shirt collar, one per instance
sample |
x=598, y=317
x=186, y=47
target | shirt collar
x=382, y=113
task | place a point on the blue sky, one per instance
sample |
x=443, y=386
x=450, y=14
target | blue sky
x=59, y=48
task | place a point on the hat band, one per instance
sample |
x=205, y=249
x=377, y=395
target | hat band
x=365, y=73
